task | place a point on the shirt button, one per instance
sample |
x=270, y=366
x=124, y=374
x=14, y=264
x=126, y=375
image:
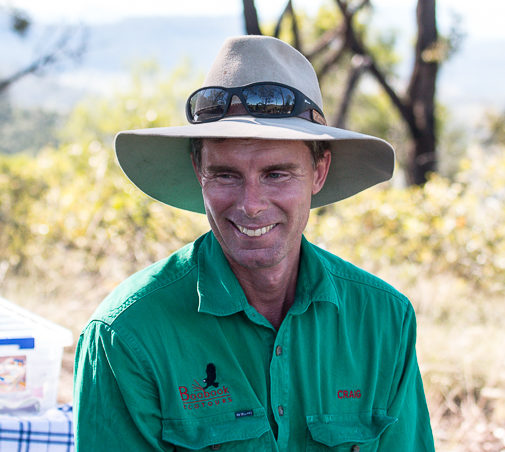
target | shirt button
x=280, y=408
x=278, y=350
x=355, y=448
x=215, y=447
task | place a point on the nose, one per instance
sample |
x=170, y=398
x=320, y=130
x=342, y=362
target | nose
x=253, y=199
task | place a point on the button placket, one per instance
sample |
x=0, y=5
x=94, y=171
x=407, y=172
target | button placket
x=277, y=377
x=280, y=383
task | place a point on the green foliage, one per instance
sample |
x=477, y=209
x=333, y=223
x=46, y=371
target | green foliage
x=27, y=130
x=445, y=227
x=373, y=113
x=326, y=19
x=74, y=201
x=494, y=129
x=446, y=46
x=382, y=45
x=20, y=22
x=155, y=99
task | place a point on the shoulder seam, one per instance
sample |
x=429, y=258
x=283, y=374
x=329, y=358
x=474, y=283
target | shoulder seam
x=143, y=292
x=126, y=340
x=393, y=292
x=330, y=261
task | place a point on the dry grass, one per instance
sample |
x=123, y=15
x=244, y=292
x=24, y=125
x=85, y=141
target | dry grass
x=461, y=352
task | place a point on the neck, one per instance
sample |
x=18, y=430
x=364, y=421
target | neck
x=271, y=291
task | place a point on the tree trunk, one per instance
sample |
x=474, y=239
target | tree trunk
x=421, y=95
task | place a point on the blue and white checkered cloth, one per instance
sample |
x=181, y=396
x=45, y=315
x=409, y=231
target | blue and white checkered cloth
x=50, y=432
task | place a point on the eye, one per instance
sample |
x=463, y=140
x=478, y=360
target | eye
x=226, y=178
x=277, y=176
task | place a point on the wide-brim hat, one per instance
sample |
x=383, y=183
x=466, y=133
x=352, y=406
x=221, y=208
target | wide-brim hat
x=157, y=160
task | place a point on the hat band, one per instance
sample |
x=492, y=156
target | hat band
x=263, y=100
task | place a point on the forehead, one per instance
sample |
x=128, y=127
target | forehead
x=254, y=149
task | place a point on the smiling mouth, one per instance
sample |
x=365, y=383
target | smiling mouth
x=255, y=232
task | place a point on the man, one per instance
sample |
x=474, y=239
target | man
x=251, y=338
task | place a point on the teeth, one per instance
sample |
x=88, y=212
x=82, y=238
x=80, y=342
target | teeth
x=255, y=232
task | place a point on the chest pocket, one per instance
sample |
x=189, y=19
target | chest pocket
x=347, y=432
x=224, y=432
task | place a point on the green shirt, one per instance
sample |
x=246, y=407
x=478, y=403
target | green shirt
x=176, y=359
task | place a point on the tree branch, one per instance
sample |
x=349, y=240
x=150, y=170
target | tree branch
x=405, y=110
x=330, y=60
x=343, y=7
x=288, y=9
x=277, y=30
x=359, y=6
x=66, y=47
x=354, y=44
x=294, y=28
x=358, y=66
x=325, y=41
x=252, y=26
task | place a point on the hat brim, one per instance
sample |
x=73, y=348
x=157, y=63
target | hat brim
x=157, y=160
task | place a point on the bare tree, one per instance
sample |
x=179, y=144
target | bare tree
x=417, y=106
x=66, y=45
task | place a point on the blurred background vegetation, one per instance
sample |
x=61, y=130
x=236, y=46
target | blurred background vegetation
x=72, y=226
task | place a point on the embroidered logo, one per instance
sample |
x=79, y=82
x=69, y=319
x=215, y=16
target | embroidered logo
x=211, y=376
x=200, y=396
x=354, y=394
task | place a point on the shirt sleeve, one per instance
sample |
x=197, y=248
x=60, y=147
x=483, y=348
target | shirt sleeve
x=116, y=405
x=407, y=402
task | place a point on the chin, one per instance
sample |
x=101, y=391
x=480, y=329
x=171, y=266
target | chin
x=256, y=260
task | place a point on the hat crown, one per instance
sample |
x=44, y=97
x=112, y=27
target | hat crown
x=250, y=59
x=157, y=160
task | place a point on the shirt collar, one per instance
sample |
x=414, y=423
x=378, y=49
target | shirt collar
x=314, y=283
x=220, y=293
x=218, y=289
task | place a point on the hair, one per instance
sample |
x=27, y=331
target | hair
x=316, y=148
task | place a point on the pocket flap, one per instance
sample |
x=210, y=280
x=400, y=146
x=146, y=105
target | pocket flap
x=336, y=429
x=197, y=433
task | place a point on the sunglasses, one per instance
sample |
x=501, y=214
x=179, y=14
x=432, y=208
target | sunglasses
x=262, y=100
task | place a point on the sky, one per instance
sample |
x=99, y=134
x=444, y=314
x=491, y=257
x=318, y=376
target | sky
x=483, y=19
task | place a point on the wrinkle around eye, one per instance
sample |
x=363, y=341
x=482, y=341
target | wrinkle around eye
x=222, y=178
x=279, y=176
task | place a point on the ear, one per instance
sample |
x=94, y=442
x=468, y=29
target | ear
x=195, y=169
x=321, y=172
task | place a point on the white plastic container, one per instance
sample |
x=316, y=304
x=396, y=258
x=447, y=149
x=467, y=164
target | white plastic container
x=30, y=360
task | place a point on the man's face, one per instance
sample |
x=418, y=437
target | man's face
x=257, y=196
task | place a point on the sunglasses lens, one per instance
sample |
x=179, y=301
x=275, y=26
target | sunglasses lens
x=208, y=104
x=267, y=99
